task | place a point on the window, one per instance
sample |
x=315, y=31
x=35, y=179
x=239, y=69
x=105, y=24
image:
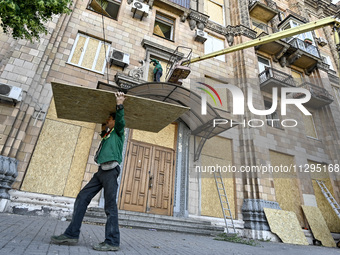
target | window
x=273, y=119
x=309, y=126
x=215, y=9
x=214, y=44
x=263, y=63
x=292, y=23
x=89, y=53
x=164, y=26
x=108, y=8
x=327, y=60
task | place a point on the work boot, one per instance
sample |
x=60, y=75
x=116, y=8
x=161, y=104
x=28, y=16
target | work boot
x=105, y=247
x=62, y=239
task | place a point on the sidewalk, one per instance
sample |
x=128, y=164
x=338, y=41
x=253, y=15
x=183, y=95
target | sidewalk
x=31, y=235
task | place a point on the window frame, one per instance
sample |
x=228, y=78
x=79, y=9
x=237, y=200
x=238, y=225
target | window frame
x=301, y=36
x=212, y=38
x=158, y=19
x=328, y=60
x=223, y=12
x=83, y=53
x=117, y=2
x=258, y=63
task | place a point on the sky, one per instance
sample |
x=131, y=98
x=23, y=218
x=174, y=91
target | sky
x=335, y=1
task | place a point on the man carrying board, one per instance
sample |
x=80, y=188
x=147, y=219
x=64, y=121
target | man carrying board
x=108, y=156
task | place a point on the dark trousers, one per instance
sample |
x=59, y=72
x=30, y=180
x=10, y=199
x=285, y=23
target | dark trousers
x=102, y=179
x=157, y=76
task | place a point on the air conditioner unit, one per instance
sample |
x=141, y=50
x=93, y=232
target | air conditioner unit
x=322, y=41
x=119, y=58
x=10, y=93
x=140, y=8
x=201, y=36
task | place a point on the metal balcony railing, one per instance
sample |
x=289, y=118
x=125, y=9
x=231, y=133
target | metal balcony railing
x=317, y=91
x=271, y=73
x=261, y=27
x=183, y=3
x=305, y=46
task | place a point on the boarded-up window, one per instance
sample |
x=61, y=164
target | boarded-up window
x=151, y=67
x=89, y=53
x=215, y=9
x=309, y=126
x=214, y=44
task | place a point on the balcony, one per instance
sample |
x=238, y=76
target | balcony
x=304, y=55
x=319, y=96
x=272, y=78
x=183, y=3
x=263, y=10
x=276, y=48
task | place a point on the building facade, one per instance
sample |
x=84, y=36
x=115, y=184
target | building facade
x=166, y=173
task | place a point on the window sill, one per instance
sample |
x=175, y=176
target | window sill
x=164, y=38
x=110, y=17
x=102, y=73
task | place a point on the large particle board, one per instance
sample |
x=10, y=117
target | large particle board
x=318, y=225
x=286, y=225
x=94, y=105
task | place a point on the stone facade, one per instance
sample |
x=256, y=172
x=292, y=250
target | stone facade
x=33, y=66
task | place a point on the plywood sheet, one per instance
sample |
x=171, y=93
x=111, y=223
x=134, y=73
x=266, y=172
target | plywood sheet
x=166, y=137
x=51, y=161
x=77, y=170
x=318, y=226
x=286, y=225
x=94, y=105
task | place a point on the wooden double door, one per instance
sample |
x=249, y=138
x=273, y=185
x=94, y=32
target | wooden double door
x=147, y=181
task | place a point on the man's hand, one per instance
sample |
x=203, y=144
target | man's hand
x=119, y=97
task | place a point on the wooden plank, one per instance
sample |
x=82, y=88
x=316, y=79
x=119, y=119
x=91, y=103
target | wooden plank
x=95, y=105
x=286, y=225
x=318, y=225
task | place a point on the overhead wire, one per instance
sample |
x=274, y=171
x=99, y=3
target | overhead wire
x=105, y=52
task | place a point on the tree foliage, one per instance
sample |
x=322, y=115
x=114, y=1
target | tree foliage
x=26, y=18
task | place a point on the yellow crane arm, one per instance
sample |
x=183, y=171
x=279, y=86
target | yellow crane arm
x=333, y=20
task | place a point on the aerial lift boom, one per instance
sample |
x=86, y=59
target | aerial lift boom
x=332, y=20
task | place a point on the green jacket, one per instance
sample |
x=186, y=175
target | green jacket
x=157, y=67
x=112, y=147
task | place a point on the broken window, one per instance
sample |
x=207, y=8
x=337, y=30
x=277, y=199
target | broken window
x=108, y=8
x=164, y=26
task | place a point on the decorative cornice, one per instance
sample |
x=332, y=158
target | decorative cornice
x=197, y=19
x=155, y=47
x=202, y=21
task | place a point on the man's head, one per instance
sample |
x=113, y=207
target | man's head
x=110, y=121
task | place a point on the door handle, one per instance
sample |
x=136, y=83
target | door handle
x=150, y=181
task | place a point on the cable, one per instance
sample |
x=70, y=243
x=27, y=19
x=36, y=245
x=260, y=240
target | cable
x=107, y=66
